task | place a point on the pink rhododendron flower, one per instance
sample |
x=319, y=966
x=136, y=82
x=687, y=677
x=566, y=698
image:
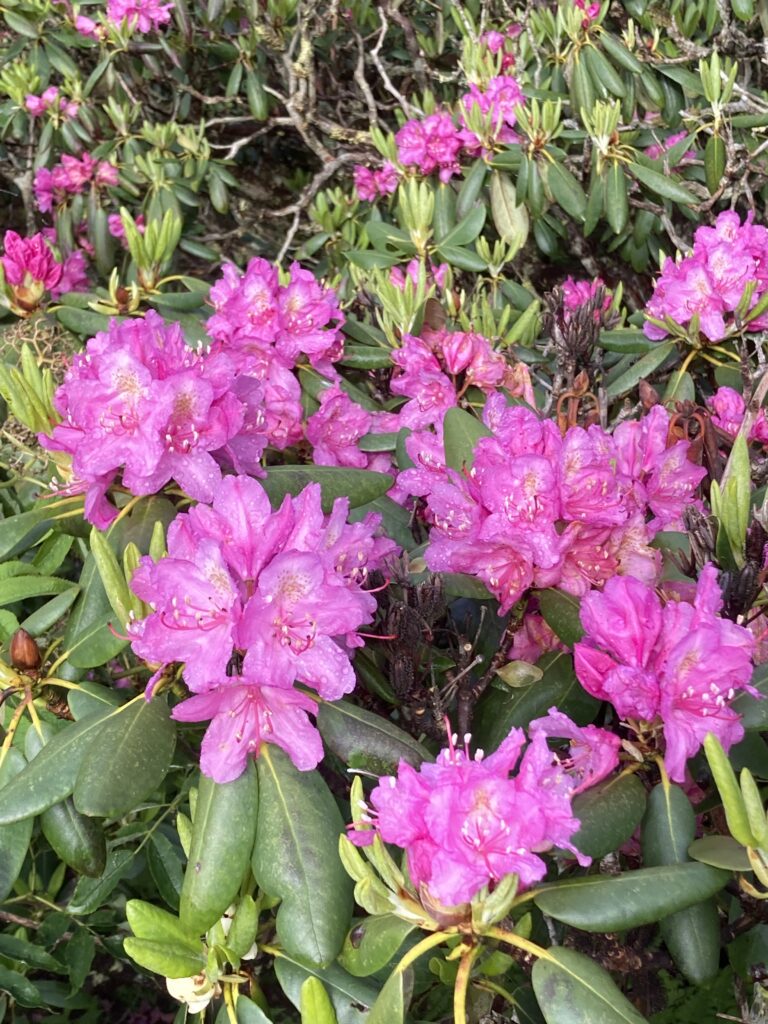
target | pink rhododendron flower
x=676, y=665
x=283, y=592
x=30, y=269
x=466, y=823
x=431, y=144
x=71, y=177
x=141, y=402
x=116, y=229
x=657, y=149
x=591, y=11
x=542, y=510
x=372, y=184
x=711, y=281
x=728, y=408
x=496, y=102
x=86, y=26
x=335, y=429
x=438, y=274
x=577, y=293
x=497, y=42
x=74, y=275
x=141, y=15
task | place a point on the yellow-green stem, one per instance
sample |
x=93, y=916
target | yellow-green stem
x=517, y=940
x=416, y=951
x=462, y=985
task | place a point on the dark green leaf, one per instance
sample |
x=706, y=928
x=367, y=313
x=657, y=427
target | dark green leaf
x=641, y=369
x=165, y=867
x=598, y=903
x=127, y=760
x=609, y=814
x=88, y=637
x=662, y=184
x=92, y=893
x=76, y=839
x=17, y=986
x=575, y=990
x=625, y=339
x=461, y=432
x=79, y=953
x=28, y=953
x=721, y=852
x=350, y=731
x=249, y=1013
x=14, y=839
x=223, y=832
x=393, y=1000
x=561, y=613
x=567, y=191
x=468, y=228
x=474, y=179
x=464, y=259
x=616, y=202
x=296, y=858
x=20, y=588
x=150, y=922
x=359, y=485
x=51, y=776
x=373, y=943
x=350, y=996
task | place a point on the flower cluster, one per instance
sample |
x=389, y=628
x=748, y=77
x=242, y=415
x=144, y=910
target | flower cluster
x=140, y=401
x=267, y=326
x=496, y=103
x=657, y=149
x=728, y=407
x=437, y=275
x=676, y=665
x=430, y=144
x=370, y=185
x=710, y=283
x=498, y=42
x=30, y=269
x=50, y=99
x=272, y=597
x=71, y=177
x=141, y=15
x=539, y=509
x=578, y=293
x=466, y=823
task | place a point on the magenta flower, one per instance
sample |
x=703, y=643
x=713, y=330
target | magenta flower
x=244, y=715
x=657, y=149
x=74, y=275
x=577, y=293
x=141, y=15
x=497, y=102
x=429, y=145
x=141, y=402
x=71, y=177
x=466, y=823
x=335, y=429
x=728, y=408
x=30, y=269
x=370, y=185
x=675, y=667
x=593, y=753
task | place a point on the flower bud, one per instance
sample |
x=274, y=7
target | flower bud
x=25, y=654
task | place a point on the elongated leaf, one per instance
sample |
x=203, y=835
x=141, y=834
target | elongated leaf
x=316, y=1006
x=14, y=839
x=474, y=179
x=721, y=852
x=296, y=858
x=164, y=958
x=23, y=587
x=359, y=485
x=468, y=228
x=92, y=893
x=561, y=613
x=373, y=943
x=222, y=840
x=692, y=935
x=14, y=984
x=609, y=814
x=28, y=953
x=350, y=731
x=249, y=1013
x=150, y=922
x=662, y=185
x=572, y=989
x=644, y=367
x=88, y=636
x=78, y=840
x=351, y=997
x=461, y=432
x=50, y=777
x=567, y=191
x=394, y=999
x=598, y=903
x=127, y=761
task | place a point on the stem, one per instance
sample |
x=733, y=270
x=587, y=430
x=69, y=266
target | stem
x=462, y=985
x=517, y=940
x=416, y=951
x=12, y=727
x=498, y=990
x=229, y=1002
x=686, y=363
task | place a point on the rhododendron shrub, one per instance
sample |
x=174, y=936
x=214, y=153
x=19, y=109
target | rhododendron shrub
x=383, y=530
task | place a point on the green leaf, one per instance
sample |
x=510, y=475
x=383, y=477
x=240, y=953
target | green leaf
x=616, y=201
x=461, y=432
x=16, y=529
x=76, y=839
x=662, y=184
x=464, y=259
x=316, y=1006
x=721, y=852
x=625, y=339
x=361, y=486
x=28, y=953
x=14, y=839
x=474, y=179
x=510, y=217
x=572, y=989
x=567, y=191
x=127, y=760
x=598, y=903
x=350, y=731
x=50, y=777
x=150, y=922
x=609, y=814
x=350, y=996
x=223, y=832
x=165, y=867
x=373, y=943
x=692, y=935
x=503, y=709
x=112, y=576
x=88, y=637
x=367, y=259
x=468, y=228
x=92, y=697
x=393, y=1000
x=296, y=858
x=84, y=321
x=16, y=985
x=20, y=588
x=245, y=924
x=643, y=368
x=92, y=893
x=249, y=1013
x=79, y=953
x=164, y=958
x=714, y=162
x=561, y=613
